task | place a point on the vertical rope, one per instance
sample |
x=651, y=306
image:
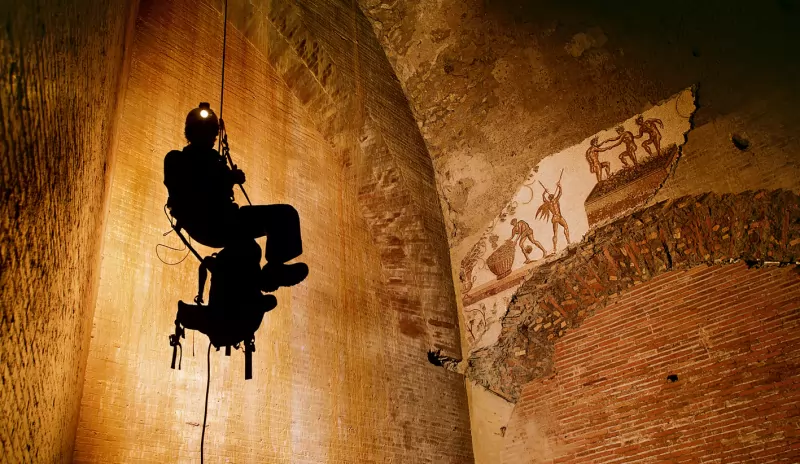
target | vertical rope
x=222, y=136
x=222, y=83
x=224, y=47
x=205, y=410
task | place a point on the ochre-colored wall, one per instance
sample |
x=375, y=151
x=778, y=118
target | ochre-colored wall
x=60, y=73
x=730, y=335
x=497, y=85
x=337, y=377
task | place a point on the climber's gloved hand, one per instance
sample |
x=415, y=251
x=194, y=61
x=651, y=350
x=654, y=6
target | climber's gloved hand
x=238, y=176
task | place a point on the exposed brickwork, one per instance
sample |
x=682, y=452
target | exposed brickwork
x=277, y=30
x=729, y=334
x=340, y=372
x=371, y=99
x=342, y=79
x=679, y=234
x=419, y=309
x=412, y=271
x=496, y=86
x=60, y=68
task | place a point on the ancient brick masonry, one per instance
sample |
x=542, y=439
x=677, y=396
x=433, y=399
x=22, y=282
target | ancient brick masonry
x=58, y=101
x=754, y=227
x=277, y=30
x=726, y=334
x=342, y=375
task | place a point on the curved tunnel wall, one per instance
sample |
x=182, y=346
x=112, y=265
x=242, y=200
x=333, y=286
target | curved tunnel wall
x=339, y=373
x=60, y=70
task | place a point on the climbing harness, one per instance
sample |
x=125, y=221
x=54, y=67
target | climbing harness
x=223, y=147
x=221, y=332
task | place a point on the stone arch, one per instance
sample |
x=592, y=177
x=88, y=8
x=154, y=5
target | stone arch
x=276, y=30
x=755, y=227
x=396, y=191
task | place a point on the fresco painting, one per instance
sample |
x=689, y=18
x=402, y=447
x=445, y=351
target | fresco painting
x=565, y=195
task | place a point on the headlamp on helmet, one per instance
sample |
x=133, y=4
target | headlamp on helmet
x=202, y=125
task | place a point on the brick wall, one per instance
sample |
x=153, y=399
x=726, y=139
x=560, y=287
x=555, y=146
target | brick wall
x=677, y=234
x=728, y=332
x=60, y=68
x=338, y=377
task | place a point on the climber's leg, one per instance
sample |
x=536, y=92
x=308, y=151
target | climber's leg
x=281, y=225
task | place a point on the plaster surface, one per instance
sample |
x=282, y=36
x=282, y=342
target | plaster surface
x=340, y=370
x=61, y=70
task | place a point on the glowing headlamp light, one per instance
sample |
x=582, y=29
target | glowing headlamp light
x=204, y=113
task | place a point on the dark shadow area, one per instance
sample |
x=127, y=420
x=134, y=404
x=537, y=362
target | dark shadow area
x=200, y=182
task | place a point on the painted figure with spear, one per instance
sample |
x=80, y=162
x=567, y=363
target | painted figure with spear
x=551, y=209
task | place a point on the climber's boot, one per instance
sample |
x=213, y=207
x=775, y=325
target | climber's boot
x=274, y=276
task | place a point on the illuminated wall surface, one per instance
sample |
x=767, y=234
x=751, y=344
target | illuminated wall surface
x=94, y=93
x=335, y=379
x=58, y=85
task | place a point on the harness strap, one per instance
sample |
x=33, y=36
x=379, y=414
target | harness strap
x=249, y=348
x=177, y=230
x=226, y=152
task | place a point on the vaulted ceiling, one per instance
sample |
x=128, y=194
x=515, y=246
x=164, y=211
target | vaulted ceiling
x=495, y=85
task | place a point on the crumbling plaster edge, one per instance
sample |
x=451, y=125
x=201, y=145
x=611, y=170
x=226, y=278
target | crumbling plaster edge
x=463, y=366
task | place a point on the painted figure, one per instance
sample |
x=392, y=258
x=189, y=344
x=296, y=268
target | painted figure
x=551, y=209
x=476, y=326
x=626, y=138
x=523, y=232
x=468, y=264
x=650, y=127
x=593, y=157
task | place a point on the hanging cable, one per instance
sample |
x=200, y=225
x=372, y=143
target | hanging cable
x=224, y=46
x=185, y=248
x=222, y=144
x=205, y=411
x=158, y=255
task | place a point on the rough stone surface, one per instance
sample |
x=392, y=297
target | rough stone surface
x=341, y=77
x=374, y=103
x=728, y=335
x=341, y=371
x=558, y=296
x=60, y=68
x=497, y=85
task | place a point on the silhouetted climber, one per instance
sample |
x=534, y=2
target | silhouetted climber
x=236, y=305
x=200, y=186
x=235, y=302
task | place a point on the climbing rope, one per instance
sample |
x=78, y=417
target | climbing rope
x=222, y=145
x=205, y=410
x=224, y=47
